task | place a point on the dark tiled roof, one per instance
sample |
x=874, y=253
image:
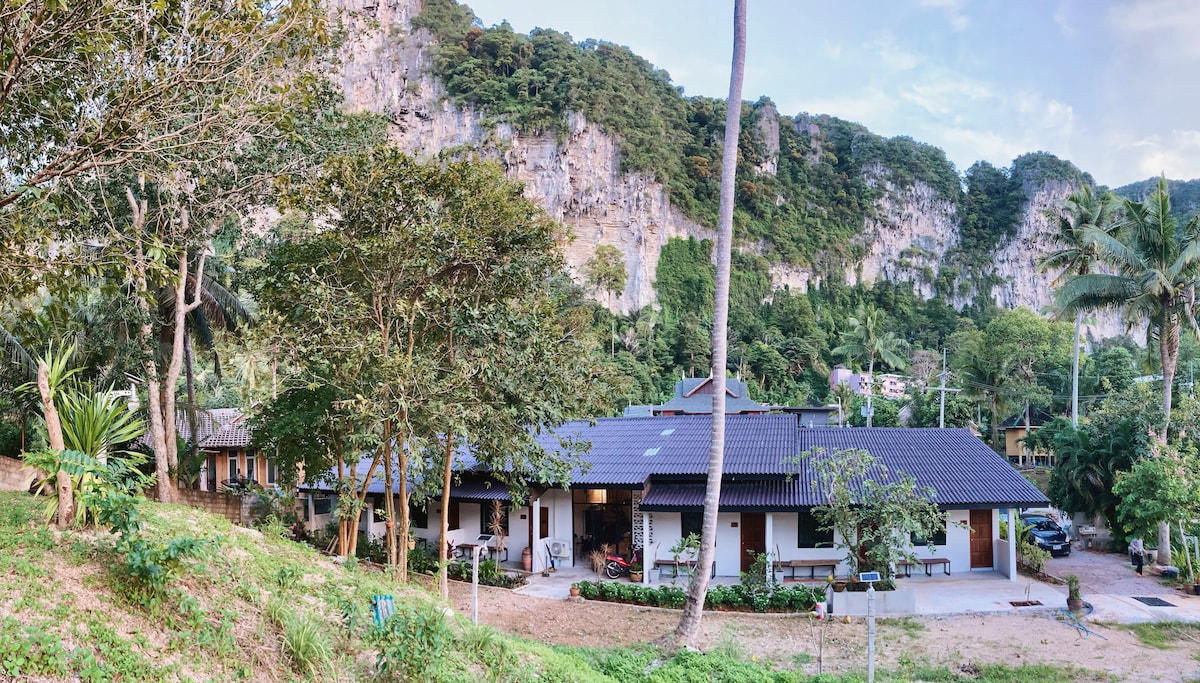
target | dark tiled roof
x=960, y=468
x=471, y=490
x=233, y=435
x=688, y=400
x=955, y=462
x=1037, y=418
x=624, y=451
x=736, y=496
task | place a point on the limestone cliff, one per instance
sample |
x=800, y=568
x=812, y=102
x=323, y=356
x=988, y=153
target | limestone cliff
x=576, y=177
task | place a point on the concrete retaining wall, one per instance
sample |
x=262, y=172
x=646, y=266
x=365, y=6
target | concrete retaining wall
x=847, y=603
x=234, y=508
x=13, y=475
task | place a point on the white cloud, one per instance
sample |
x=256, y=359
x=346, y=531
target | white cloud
x=954, y=12
x=893, y=55
x=1153, y=154
x=1164, y=27
x=872, y=107
x=945, y=95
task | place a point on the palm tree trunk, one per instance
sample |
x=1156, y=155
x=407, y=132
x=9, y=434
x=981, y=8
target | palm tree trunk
x=1169, y=352
x=688, y=629
x=1075, y=372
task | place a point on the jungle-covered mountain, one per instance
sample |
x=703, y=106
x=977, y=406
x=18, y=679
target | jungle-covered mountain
x=829, y=216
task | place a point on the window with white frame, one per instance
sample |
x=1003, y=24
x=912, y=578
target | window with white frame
x=251, y=462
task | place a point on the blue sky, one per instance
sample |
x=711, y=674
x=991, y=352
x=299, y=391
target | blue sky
x=1107, y=85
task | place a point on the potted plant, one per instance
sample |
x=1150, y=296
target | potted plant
x=574, y=590
x=1074, y=600
x=635, y=572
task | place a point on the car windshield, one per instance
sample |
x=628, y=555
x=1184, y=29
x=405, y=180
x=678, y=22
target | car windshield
x=1045, y=525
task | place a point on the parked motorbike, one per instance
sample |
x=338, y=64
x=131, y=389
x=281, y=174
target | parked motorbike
x=617, y=565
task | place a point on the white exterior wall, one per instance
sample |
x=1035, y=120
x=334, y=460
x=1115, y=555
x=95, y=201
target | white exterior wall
x=784, y=536
x=562, y=525
x=958, y=544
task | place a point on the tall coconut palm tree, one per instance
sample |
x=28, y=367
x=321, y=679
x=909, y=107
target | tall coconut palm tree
x=865, y=341
x=1157, y=265
x=1075, y=254
x=688, y=629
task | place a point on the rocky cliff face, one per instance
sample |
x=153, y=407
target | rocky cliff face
x=577, y=178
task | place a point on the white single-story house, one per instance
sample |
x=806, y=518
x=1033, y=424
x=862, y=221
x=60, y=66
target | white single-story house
x=644, y=483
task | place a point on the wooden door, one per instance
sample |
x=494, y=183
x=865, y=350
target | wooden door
x=981, y=539
x=754, y=536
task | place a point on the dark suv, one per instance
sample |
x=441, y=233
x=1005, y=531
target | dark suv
x=1046, y=534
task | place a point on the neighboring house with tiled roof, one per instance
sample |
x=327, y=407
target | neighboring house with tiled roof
x=643, y=482
x=693, y=396
x=223, y=435
x=1014, y=438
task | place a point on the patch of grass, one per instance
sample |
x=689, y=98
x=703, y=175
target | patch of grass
x=908, y=625
x=1165, y=634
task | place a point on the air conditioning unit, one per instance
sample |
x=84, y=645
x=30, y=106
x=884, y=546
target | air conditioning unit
x=558, y=548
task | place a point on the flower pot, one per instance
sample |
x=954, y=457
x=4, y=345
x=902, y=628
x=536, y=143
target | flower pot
x=574, y=591
x=1075, y=604
x=527, y=559
x=635, y=577
x=839, y=586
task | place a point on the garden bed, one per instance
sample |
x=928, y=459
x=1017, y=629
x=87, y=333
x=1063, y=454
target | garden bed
x=738, y=598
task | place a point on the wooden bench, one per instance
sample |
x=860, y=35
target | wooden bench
x=928, y=563
x=688, y=566
x=811, y=564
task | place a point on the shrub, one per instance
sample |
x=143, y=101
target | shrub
x=412, y=642
x=776, y=598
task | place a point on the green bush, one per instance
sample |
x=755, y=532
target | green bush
x=773, y=598
x=413, y=643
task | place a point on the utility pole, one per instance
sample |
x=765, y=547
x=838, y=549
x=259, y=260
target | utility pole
x=942, y=390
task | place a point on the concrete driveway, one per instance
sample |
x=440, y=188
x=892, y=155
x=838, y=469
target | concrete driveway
x=1108, y=582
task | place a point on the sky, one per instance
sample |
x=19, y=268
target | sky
x=1108, y=85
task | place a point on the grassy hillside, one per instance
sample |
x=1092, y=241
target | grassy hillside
x=254, y=606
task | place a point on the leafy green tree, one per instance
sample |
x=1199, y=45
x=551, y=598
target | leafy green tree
x=1162, y=487
x=865, y=340
x=1157, y=264
x=605, y=271
x=869, y=506
x=1075, y=254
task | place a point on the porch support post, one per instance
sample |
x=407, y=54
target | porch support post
x=647, y=562
x=537, y=535
x=312, y=512
x=1012, y=544
x=770, y=543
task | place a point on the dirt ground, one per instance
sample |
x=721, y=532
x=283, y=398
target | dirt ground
x=1106, y=573
x=796, y=642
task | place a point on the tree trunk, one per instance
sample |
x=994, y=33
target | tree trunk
x=389, y=499
x=688, y=630
x=362, y=498
x=1169, y=350
x=193, y=444
x=403, y=522
x=1169, y=355
x=62, y=480
x=1075, y=372
x=443, y=555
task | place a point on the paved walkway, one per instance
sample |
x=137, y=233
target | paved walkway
x=1108, y=584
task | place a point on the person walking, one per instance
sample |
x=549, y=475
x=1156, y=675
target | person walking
x=1137, y=551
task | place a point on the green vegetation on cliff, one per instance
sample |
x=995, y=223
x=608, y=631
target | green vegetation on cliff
x=814, y=201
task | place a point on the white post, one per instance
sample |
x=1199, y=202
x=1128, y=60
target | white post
x=475, y=583
x=537, y=536
x=871, y=632
x=1012, y=544
x=770, y=541
x=942, y=409
x=646, y=561
x=312, y=513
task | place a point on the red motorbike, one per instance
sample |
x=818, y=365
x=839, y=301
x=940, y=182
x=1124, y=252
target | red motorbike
x=617, y=565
